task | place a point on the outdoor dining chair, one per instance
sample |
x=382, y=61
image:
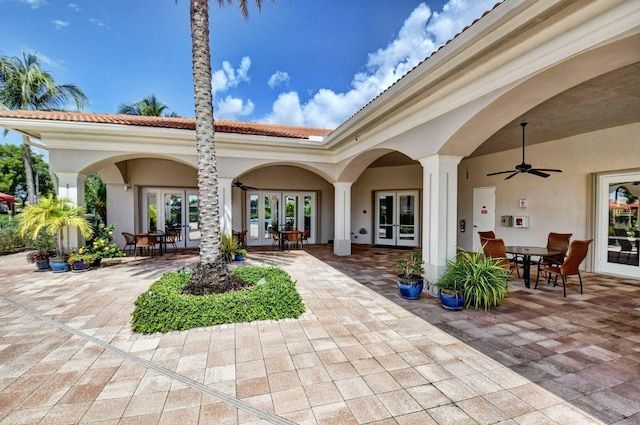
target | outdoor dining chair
x=306, y=235
x=171, y=238
x=293, y=237
x=494, y=248
x=145, y=243
x=129, y=242
x=577, y=253
x=275, y=239
x=559, y=242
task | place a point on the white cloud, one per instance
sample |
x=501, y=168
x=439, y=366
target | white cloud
x=60, y=24
x=99, y=23
x=227, y=77
x=421, y=34
x=74, y=6
x=34, y=3
x=232, y=108
x=279, y=77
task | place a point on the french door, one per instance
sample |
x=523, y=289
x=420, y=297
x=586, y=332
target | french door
x=617, y=214
x=172, y=210
x=396, y=218
x=270, y=210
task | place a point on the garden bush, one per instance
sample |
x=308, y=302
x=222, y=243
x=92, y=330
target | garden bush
x=164, y=308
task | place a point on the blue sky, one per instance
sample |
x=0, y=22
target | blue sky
x=300, y=62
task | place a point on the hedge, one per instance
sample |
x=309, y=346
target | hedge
x=164, y=308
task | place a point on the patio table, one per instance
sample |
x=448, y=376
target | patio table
x=526, y=252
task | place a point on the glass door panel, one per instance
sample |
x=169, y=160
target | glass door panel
x=192, y=226
x=407, y=234
x=385, y=229
x=617, y=239
x=151, y=220
x=290, y=212
x=254, y=219
x=396, y=218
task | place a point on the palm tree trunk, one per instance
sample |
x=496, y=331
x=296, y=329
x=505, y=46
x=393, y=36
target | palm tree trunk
x=28, y=171
x=209, y=216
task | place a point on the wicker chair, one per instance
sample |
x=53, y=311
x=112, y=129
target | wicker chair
x=577, y=253
x=145, y=243
x=129, y=242
x=306, y=235
x=293, y=237
x=275, y=239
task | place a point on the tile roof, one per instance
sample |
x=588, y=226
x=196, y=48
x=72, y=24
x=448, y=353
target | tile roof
x=237, y=127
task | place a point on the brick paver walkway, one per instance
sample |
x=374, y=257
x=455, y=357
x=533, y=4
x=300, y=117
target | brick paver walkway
x=67, y=355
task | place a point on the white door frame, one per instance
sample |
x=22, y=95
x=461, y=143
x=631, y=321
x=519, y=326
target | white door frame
x=264, y=236
x=601, y=235
x=484, y=213
x=190, y=234
x=396, y=238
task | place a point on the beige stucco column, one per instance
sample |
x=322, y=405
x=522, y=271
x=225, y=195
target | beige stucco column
x=342, y=220
x=225, y=205
x=71, y=185
x=439, y=206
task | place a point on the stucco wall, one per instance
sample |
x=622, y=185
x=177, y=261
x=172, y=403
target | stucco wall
x=362, y=195
x=162, y=172
x=560, y=203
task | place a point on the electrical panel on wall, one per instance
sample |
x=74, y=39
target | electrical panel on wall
x=506, y=221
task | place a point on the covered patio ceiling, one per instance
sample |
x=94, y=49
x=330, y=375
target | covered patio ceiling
x=611, y=100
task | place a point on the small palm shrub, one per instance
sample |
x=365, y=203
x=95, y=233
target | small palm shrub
x=164, y=307
x=484, y=281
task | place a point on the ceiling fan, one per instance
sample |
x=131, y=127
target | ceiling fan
x=239, y=184
x=526, y=168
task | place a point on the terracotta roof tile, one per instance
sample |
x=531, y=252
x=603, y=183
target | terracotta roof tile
x=236, y=127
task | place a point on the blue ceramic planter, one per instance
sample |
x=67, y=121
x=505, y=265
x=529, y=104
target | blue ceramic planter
x=59, y=266
x=451, y=301
x=43, y=266
x=410, y=288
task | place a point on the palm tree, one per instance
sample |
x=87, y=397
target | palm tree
x=25, y=85
x=53, y=216
x=149, y=106
x=211, y=275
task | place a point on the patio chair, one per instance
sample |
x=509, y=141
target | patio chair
x=305, y=237
x=557, y=241
x=171, y=238
x=489, y=234
x=577, y=253
x=275, y=239
x=494, y=248
x=625, y=243
x=293, y=237
x=129, y=242
x=145, y=243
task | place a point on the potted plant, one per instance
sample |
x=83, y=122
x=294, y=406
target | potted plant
x=228, y=246
x=80, y=261
x=54, y=216
x=483, y=279
x=240, y=254
x=40, y=258
x=450, y=290
x=410, y=280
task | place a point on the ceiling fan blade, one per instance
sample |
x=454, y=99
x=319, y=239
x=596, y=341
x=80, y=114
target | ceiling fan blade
x=499, y=172
x=537, y=172
x=547, y=170
x=517, y=172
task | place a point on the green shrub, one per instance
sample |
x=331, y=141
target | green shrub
x=164, y=308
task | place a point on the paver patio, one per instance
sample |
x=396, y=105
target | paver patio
x=360, y=354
